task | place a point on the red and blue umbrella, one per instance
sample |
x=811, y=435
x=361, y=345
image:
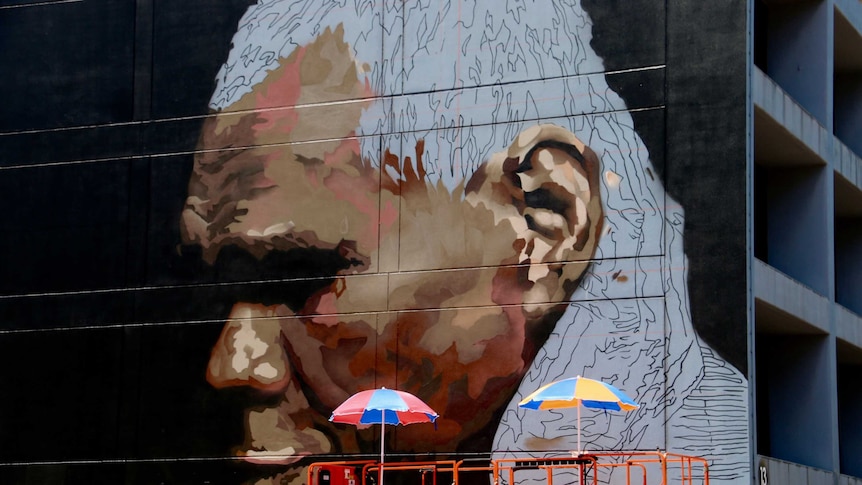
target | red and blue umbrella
x=383, y=406
x=576, y=392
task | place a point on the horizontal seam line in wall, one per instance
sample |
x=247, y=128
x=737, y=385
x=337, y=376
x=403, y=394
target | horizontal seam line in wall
x=327, y=103
x=39, y=4
x=293, y=280
x=119, y=461
x=271, y=145
x=221, y=321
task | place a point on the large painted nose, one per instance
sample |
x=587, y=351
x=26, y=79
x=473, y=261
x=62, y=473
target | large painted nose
x=249, y=350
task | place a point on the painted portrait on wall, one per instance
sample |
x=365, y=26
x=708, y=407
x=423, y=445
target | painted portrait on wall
x=473, y=214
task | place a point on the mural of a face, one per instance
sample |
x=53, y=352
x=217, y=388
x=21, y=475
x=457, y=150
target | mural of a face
x=515, y=223
x=460, y=173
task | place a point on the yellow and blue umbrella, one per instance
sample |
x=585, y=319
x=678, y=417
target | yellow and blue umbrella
x=579, y=391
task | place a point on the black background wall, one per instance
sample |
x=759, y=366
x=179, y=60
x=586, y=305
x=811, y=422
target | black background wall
x=702, y=156
x=102, y=106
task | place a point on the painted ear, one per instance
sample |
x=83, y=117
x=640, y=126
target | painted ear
x=551, y=180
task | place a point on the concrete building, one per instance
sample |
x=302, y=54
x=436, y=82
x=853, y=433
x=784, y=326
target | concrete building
x=806, y=81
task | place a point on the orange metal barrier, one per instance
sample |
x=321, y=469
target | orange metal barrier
x=638, y=467
x=641, y=467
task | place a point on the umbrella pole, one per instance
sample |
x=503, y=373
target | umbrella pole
x=579, y=429
x=382, y=437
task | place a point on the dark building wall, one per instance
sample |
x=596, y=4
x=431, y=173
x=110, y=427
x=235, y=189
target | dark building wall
x=706, y=119
x=102, y=109
x=108, y=321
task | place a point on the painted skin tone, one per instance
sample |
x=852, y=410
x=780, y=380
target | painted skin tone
x=519, y=233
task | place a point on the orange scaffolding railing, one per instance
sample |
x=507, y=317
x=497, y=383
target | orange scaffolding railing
x=638, y=468
x=650, y=467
